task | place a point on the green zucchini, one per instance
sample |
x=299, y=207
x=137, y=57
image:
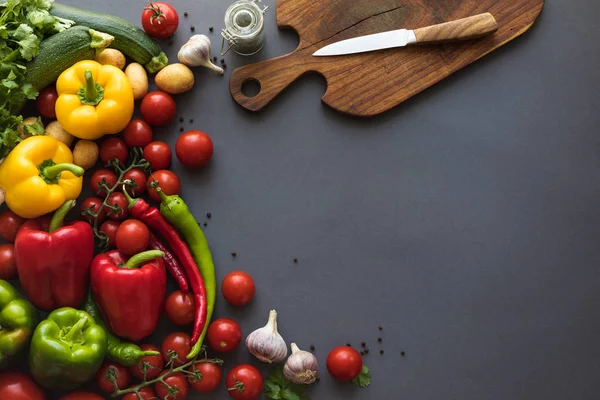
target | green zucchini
x=129, y=39
x=61, y=51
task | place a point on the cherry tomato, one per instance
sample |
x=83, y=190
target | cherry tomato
x=138, y=177
x=167, y=181
x=119, y=200
x=158, y=154
x=180, y=308
x=18, y=386
x=194, y=149
x=9, y=225
x=113, y=148
x=121, y=374
x=146, y=393
x=103, y=175
x=93, y=203
x=110, y=229
x=158, y=108
x=132, y=237
x=46, y=101
x=244, y=382
x=80, y=395
x=160, y=20
x=8, y=267
x=210, y=377
x=344, y=363
x=178, y=342
x=137, y=133
x=238, y=288
x=224, y=335
x=179, y=387
x=154, y=364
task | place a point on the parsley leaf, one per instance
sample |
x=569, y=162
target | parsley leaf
x=278, y=387
x=364, y=378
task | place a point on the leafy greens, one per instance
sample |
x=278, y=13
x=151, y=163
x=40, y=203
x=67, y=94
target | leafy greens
x=23, y=25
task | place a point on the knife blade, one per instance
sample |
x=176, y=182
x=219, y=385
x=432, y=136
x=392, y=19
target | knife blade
x=466, y=28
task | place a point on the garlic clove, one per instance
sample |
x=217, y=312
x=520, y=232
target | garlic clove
x=196, y=53
x=301, y=367
x=266, y=343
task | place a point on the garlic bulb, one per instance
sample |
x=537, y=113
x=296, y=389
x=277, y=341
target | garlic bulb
x=266, y=343
x=301, y=367
x=196, y=53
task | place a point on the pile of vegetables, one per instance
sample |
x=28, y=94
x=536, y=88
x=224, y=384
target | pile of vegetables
x=102, y=279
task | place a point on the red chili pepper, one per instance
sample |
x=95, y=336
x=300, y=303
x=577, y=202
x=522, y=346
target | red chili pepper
x=152, y=217
x=130, y=292
x=171, y=263
x=53, y=272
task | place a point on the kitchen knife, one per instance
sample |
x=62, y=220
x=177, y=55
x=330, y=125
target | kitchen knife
x=461, y=29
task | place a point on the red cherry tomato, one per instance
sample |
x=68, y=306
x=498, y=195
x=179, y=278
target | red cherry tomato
x=138, y=177
x=344, y=363
x=178, y=382
x=146, y=393
x=194, y=149
x=103, y=175
x=132, y=237
x=177, y=342
x=244, y=382
x=158, y=108
x=158, y=154
x=137, y=133
x=118, y=199
x=8, y=266
x=109, y=228
x=10, y=223
x=80, y=395
x=46, y=101
x=93, y=203
x=238, y=288
x=18, y=386
x=224, y=335
x=160, y=20
x=155, y=364
x=180, y=308
x=121, y=374
x=210, y=377
x=113, y=148
x=167, y=181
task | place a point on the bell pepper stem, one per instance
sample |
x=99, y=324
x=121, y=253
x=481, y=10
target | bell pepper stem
x=59, y=215
x=76, y=330
x=52, y=172
x=91, y=93
x=140, y=259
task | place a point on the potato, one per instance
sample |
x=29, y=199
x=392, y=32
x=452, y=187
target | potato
x=111, y=57
x=175, y=79
x=85, y=154
x=138, y=80
x=55, y=130
x=27, y=121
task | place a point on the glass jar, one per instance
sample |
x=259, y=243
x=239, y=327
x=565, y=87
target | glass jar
x=244, y=28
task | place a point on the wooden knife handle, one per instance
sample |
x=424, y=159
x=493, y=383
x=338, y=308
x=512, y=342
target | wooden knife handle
x=461, y=29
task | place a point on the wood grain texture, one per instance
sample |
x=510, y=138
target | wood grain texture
x=371, y=83
x=462, y=29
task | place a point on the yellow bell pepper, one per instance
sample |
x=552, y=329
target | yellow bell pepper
x=38, y=176
x=93, y=100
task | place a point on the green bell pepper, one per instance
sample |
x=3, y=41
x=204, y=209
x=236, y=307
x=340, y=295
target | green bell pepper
x=18, y=319
x=67, y=349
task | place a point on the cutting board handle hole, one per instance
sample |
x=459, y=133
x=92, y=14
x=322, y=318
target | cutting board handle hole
x=251, y=87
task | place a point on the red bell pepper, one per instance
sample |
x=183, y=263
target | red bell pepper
x=54, y=266
x=130, y=292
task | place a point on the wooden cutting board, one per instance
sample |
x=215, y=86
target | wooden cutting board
x=371, y=83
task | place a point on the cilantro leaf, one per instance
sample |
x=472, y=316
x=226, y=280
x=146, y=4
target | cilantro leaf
x=272, y=390
x=364, y=378
x=278, y=387
x=28, y=41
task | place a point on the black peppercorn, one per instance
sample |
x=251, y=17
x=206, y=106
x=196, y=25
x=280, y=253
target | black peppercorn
x=205, y=224
x=215, y=58
x=362, y=353
x=363, y=344
x=379, y=339
x=381, y=351
x=192, y=28
x=208, y=215
x=366, y=351
x=191, y=120
x=185, y=14
x=402, y=353
x=312, y=347
x=181, y=129
x=234, y=254
x=211, y=29
x=222, y=61
x=380, y=327
x=295, y=260
x=348, y=344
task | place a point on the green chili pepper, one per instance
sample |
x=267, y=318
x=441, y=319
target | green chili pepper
x=178, y=214
x=125, y=353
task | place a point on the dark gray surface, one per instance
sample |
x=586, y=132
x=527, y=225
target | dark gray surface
x=465, y=221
